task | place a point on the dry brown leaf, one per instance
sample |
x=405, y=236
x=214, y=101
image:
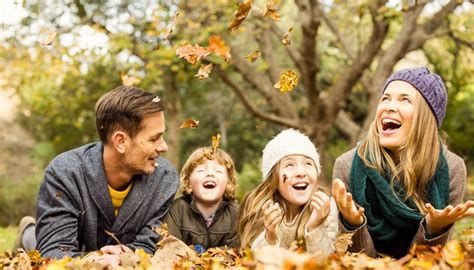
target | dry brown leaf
x=286, y=40
x=204, y=71
x=343, y=242
x=190, y=123
x=217, y=46
x=191, y=53
x=170, y=27
x=162, y=230
x=170, y=250
x=271, y=12
x=253, y=56
x=129, y=80
x=240, y=15
x=49, y=39
x=288, y=81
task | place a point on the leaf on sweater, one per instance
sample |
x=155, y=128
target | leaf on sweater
x=253, y=56
x=240, y=15
x=162, y=230
x=343, y=242
x=190, y=123
x=288, y=81
x=204, y=71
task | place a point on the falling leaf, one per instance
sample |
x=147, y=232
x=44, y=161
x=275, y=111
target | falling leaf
x=343, y=242
x=204, y=71
x=191, y=53
x=169, y=30
x=453, y=253
x=49, y=40
x=129, y=80
x=190, y=123
x=253, y=56
x=286, y=40
x=215, y=142
x=288, y=81
x=271, y=12
x=240, y=15
x=217, y=46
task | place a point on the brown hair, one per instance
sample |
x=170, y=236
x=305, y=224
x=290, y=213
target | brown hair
x=123, y=108
x=199, y=156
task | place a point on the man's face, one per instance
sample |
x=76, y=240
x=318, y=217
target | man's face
x=141, y=154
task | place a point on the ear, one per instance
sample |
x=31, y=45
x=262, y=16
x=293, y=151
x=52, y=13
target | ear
x=120, y=141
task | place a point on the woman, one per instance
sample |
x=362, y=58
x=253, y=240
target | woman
x=400, y=185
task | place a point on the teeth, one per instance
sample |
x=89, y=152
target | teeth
x=386, y=121
x=300, y=185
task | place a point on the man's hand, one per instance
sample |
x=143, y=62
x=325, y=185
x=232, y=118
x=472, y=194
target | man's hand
x=116, y=249
x=438, y=220
x=272, y=216
x=347, y=207
x=320, y=206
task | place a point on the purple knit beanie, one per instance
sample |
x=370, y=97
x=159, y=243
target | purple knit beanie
x=430, y=86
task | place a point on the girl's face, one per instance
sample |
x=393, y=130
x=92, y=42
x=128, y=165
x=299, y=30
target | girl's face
x=394, y=114
x=297, y=179
x=208, y=182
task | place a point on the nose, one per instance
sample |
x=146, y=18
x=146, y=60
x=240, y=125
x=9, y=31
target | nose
x=300, y=171
x=391, y=105
x=162, y=146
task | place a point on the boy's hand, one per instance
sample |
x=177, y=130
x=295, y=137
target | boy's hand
x=438, y=220
x=272, y=216
x=353, y=216
x=320, y=206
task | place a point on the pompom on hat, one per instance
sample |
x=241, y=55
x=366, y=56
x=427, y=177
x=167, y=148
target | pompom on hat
x=288, y=142
x=430, y=86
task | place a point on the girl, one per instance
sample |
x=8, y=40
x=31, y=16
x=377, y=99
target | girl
x=206, y=214
x=401, y=175
x=286, y=206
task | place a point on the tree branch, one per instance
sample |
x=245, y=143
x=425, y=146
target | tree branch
x=292, y=53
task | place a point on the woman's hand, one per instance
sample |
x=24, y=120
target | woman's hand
x=272, y=216
x=438, y=220
x=347, y=207
x=320, y=206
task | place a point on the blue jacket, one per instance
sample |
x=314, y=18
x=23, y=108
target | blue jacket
x=74, y=208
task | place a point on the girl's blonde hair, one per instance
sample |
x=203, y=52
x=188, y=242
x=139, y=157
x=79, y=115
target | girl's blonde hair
x=418, y=156
x=251, y=214
x=199, y=156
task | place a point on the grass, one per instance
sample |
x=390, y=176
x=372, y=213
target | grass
x=7, y=238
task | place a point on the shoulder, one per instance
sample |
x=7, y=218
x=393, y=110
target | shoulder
x=454, y=161
x=347, y=157
x=233, y=206
x=71, y=160
x=166, y=173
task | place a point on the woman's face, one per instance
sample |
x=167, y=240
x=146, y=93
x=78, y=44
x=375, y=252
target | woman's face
x=394, y=114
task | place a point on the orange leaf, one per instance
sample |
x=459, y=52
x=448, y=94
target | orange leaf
x=49, y=40
x=240, y=15
x=286, y=40
x=271, y=12
x=191, y=53
x=129, y=80
x=215, y=142
x=204, y=71
x=288, y=81
x=253, y=56
x=217, y=46
x=169, y=30
x=190, y=123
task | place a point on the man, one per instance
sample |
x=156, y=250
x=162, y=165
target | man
x=117, y=188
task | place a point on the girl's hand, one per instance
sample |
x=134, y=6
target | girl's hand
x=353, y=216
x=438, y=220
x=321, y=206
x=272, y=216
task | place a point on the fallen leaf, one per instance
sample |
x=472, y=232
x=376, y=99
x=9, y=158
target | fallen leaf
x=129, y=80
x=190, y=123
x=204, y=71
x=217, y=46
x=453, y=253
x=288, y=81
x=162, y=230
x=343, y=242
x=286, y=40
x=271, y=12
x=170, y=27
x=240, y=15
x=49, y=39
x=253, y=56
x=191, y=53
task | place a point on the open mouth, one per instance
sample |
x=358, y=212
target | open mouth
x=301, y=186
x=390, y=124
x=209, y=184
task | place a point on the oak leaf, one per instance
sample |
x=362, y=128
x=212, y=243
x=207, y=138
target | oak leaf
x=288, y=81
x=191, y=53
x=190, y=123
x=253, y=56
x=240, y=15
x=217, y=46
x=204, y=71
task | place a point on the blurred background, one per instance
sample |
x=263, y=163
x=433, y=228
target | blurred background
x=58, y=57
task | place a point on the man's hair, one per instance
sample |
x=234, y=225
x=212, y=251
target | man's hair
x=123, y=108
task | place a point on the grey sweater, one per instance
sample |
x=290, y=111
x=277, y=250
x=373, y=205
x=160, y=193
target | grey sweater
x=74, y=208
x=362, y=240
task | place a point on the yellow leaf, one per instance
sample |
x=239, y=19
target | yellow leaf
x=288, y=81
x=420, y=264
x=204, y=71
x=144, y=258
x=190, y=123
x=129, y=80
x=215, y=142
x=453, y=253
x=253, y=56
x=240, y=15
x=343, y=242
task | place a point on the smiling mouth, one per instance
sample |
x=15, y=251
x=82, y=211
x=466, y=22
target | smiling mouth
x=390, y=124
x=209, y=185
x=300, y=187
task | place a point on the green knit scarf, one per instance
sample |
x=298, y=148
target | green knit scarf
x=392, y=221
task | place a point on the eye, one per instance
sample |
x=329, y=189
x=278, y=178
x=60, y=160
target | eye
x=308, y=163
x=406, y=100
x=289, y=165
x=220, y=171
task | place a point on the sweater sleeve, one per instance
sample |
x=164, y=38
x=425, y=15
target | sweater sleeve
x=260, y=242
x=321, y=240
x=57, y=218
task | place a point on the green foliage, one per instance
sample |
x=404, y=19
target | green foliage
x=248, y=178
x=7, y=238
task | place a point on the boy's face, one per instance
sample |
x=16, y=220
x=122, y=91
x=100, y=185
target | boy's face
x=208, y=181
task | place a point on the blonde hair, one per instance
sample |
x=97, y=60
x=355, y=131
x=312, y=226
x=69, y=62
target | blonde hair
x=418, y=156
x=251, y=214
x=199, y=156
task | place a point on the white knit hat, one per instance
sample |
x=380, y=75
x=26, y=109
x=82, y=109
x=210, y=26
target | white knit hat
x=288, y=142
